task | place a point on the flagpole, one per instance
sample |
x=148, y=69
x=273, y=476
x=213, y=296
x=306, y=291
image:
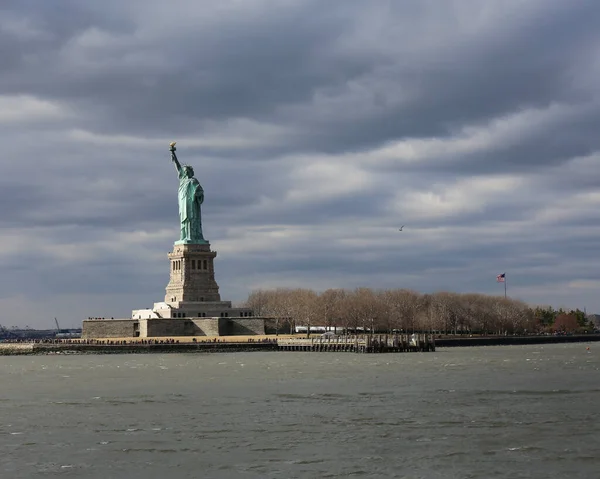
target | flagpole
x=504, y=285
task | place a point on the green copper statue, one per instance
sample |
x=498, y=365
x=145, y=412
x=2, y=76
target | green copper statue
x=191, y=196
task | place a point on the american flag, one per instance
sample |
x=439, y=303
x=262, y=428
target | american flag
x=501, y=277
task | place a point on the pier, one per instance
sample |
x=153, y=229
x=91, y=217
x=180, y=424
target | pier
x=367, y=343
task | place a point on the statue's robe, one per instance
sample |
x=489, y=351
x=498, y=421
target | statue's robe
x=191, y=196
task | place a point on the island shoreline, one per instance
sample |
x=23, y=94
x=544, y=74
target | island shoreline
x=161, y=346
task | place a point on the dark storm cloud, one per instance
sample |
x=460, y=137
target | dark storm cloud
x=550, y=146
x=356, y=205
x=525, y=67
x=32, y=32
x=252, y=69
x=230, y=69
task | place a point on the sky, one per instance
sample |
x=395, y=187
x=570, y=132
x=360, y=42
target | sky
x=316, y=129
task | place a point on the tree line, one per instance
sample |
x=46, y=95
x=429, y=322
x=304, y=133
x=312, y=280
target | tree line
x=404, y=310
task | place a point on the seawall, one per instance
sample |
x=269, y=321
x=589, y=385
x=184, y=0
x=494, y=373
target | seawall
x=513, y=340
x=13, y=349
x=80, y=348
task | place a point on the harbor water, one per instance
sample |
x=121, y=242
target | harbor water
x=477, y=412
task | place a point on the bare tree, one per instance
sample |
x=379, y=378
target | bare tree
x=519, y=316
x=481, y=315
x=279, y=306
x=402, y=305
x=304, y=307
x=427, y=314
x=392, y=313
x=442, y=304
x=352, y=312
x=361, y=309
x=499, y=308
x=330, y=307
x=257, y=301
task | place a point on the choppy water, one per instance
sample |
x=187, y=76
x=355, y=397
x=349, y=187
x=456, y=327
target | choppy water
x=492, y=412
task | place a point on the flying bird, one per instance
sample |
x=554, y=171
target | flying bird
x=401, y=228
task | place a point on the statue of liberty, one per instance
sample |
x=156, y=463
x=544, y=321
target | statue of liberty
x=191, y=196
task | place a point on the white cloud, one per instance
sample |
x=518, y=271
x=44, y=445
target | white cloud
x=592, y=284
x=20, y=109
x=21, y=27
x=461, y=196
x=563, y=208
x=235, y=134
x=320, y=180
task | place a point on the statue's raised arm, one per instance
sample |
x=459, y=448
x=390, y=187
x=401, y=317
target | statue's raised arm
x=174, y=156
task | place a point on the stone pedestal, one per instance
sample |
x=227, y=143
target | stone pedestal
x=192, y=276
x=192, y=305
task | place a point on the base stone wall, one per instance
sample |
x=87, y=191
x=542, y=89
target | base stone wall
x=246, y=326
x=157, y=328
x=108, y=328
x=211, y=326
